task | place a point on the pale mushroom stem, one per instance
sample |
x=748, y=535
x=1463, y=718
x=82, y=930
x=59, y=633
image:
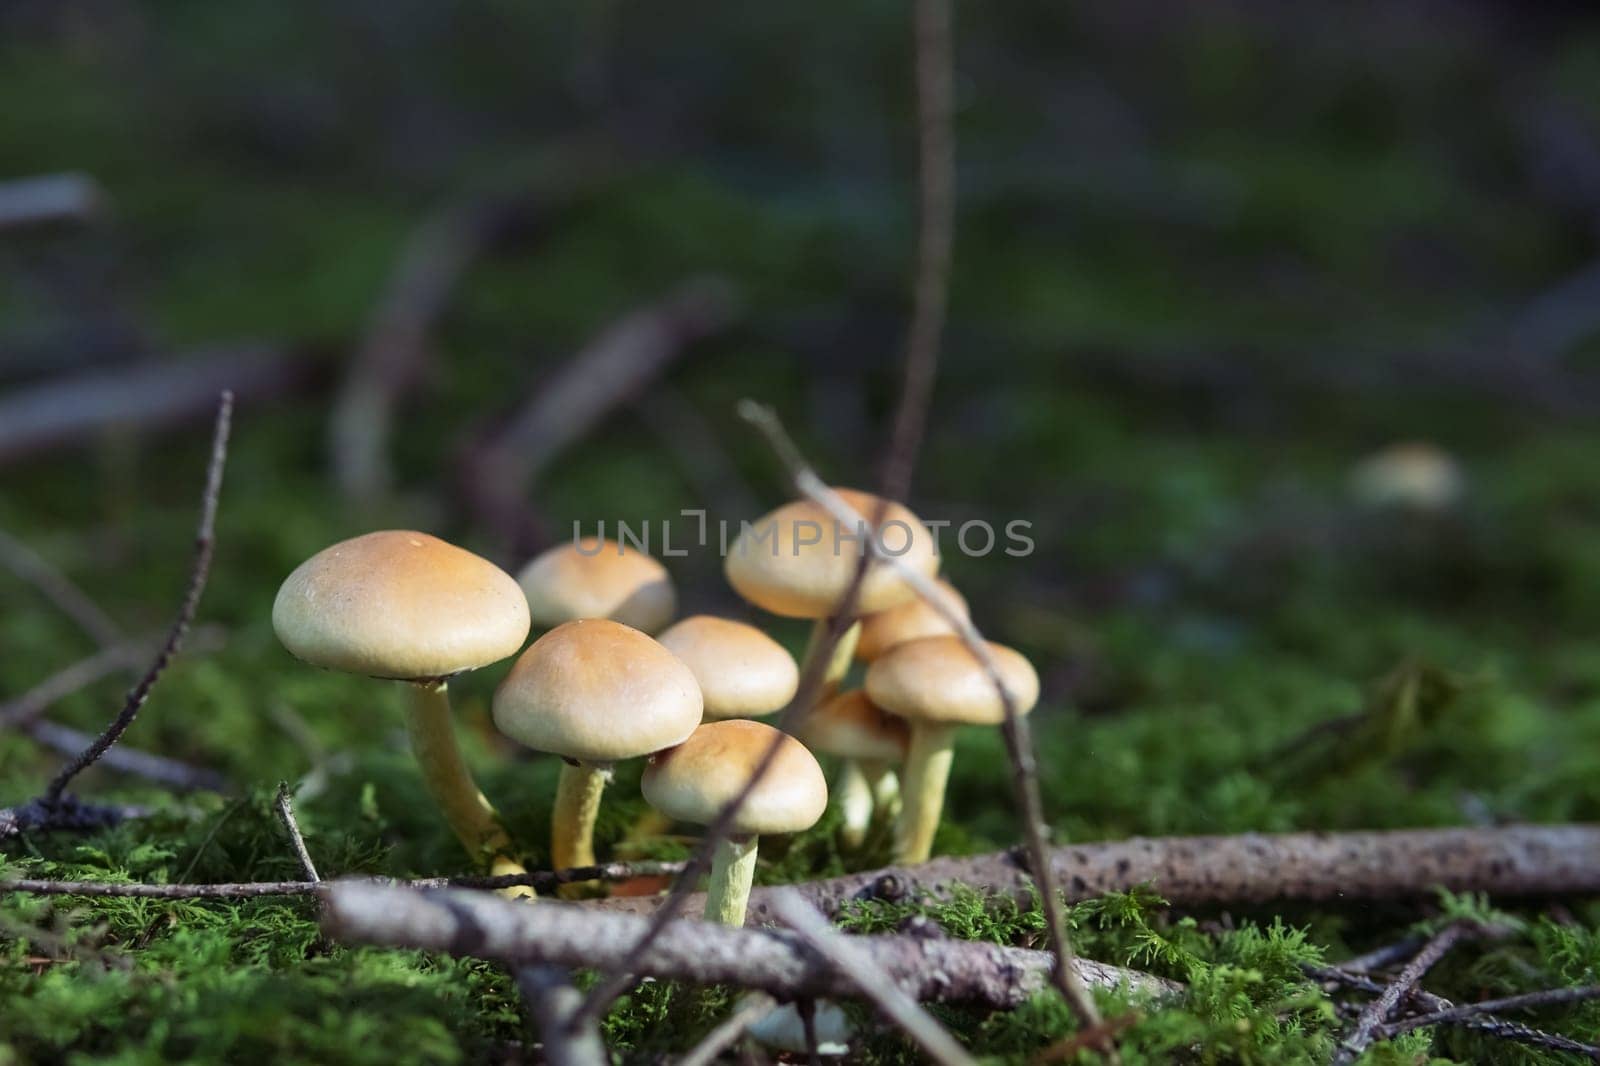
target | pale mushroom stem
x=572, y=821
x=854, y=796
x=927, y=771
x=449, y=782
x=838, y=662
x=885, y=785
x=733, y=871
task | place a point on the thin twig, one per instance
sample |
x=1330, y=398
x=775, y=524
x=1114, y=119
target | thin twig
x=205, y=541
x=285, y=807
x=124, y=654
x=871, y=982
x=552, y=1001
x=1386, y=956
x=1553, y=997
x=543, y=880
x=1485, y=1024
x=751, y=1010
x=49, y=198
x=774, y=961
x=1019, y=741
x=162, y=769
x=1331, y=868
x=60, y=590
x=1375, y=1013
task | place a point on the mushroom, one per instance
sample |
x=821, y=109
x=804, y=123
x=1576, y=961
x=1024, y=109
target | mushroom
x=743, y=673
x=937, y=684
x=777, y=565
x=594, y=578
x=410, y=607
x=869, y=740
x=915, y=618
x=594, y=692
x=694, y=781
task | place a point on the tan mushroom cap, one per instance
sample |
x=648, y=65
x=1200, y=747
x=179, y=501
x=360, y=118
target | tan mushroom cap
x=772, y=564
x=597, y=691
x=911, y=620
x=937, y=679
x=596, y=578
x=696, y=779
x=852, y=726
x=400, y=604
x=742, y=671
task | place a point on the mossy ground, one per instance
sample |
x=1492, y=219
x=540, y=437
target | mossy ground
x=1179, y=272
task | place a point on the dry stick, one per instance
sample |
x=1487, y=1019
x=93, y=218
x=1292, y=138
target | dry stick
x=60, y=590
x=1019, y=741
x=544, y=880
x=1554, y=997
x=769, y=960
x=66, y=813
x=296, y=840
x=613, y=368
x=173, y=773
x=24, y=709
x=49, y=198
x=1375, y=1013
x=755, y=1007
x=552, y=1001
x=71, y=409
x=871, y=982
x=1486, y=1024
x=1517, y=860
x=205, y=542
x=1388, y=955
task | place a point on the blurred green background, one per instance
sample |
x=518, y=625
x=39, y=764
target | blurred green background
x=1208, y=259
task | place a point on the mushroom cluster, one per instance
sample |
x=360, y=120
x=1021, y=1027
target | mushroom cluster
x=596, y=688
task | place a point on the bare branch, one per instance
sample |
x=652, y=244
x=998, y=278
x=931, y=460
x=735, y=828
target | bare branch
x=49, y=198
x=611, y=370
x=843, y=953
x=1019, y=740
x=285, y=806
x=1527, y=860
x=543, y=880
x=205, y=537
x=755, y=1007
x=773, y=961
x=67, y=814
x=1487, y=1024
x=60, y=590
x=24, y=709
x=568, y=1040
x=1375, y=1013
x=161, y=769
x=1554, y=997
x=69, y=410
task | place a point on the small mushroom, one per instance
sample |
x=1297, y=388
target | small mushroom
x=911, y=620
x=594, y=692
x=695, y=780
x=797, y=561
x=870, y=741
x=743, y=673
x=938, y=684
x=594, y=578
x=406, y=606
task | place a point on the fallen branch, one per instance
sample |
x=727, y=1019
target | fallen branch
x=205, y=539
x=1554, y=997
x=1486, y=1024
x=1249, y=868
x=568, y=1039
x=611, y=370
x=773, y=961
x=66, y=411
x=844, y=954
x=543, y=880
x=59, y=589
x=66, y=814
x=161, y=769
x=49, y=198
x=1375, y=1013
